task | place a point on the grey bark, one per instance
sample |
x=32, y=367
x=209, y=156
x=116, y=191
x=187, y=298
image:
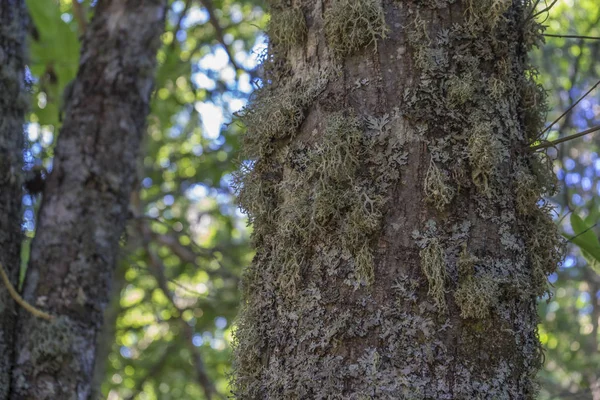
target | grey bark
x=12, y=110
x=84, y=207
x=400, y=246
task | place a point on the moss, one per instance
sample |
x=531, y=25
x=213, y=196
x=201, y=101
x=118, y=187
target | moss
x=287, y=27
x=433, y=265
x=437, y=189
x=351, y=25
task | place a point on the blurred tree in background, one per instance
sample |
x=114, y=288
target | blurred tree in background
x=570, y=72
x=175, y=291
x=168, y=328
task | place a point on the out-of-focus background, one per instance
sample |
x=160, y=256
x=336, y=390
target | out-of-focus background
x=176, y=290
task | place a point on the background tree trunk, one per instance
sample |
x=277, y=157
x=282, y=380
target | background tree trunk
x=85, y=202
x=401, y=237
x=12, y=113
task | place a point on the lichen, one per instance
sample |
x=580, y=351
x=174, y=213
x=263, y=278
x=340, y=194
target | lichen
x=485, y=153
x=438, y=191
x=351, y=25
x=329, y=276
x=287, y=27
x=433, y=265
x=476, y=296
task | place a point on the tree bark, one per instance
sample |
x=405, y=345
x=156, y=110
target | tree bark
x=85, y=203
x=401, y=235
x=12, y=113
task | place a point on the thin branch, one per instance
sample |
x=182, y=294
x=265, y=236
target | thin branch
x=158, y=270
x=584, y=231
x=210, y=8
x=186, y=8
x=553, y=143
x=152, y=372
x=79, y=14
x=548, y=8
x=572, y=36
x=20, y=301
x=568, y=110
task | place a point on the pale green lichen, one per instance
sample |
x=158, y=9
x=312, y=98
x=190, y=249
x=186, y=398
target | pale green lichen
x=433, y=265
x=484, y=153
x=287, y=27
x=438, y=191
x=476, y=296
x=351, y=25
x=487, y=12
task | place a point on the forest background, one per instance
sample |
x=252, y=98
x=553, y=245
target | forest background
x=175, y=294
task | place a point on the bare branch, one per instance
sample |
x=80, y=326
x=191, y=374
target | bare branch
x=210, y=8
x=572, y=36
x=553, y=143
x=186, y=8
x=158, y=270
x=79, y=14
x=568, y=110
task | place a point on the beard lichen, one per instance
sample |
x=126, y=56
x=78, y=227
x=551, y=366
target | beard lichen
x=287, y=27
x=433, y=264
x=438, y=191
x=351, y=25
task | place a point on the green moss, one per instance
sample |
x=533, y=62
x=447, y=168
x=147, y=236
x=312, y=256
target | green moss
x=351, y=25
x=433, y=265
x=287, y=27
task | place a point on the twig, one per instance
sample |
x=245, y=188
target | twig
x=20, y=301
x=570, y=108
x=158, y=270
x=79, y=14
x=572, y=36
x=546, y=9
x=186, y=8
x=152, y=372
x=565, y=139
x=210, y=8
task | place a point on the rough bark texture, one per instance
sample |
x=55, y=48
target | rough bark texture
x=12, y=111
x=84, y=206
x=400, y=233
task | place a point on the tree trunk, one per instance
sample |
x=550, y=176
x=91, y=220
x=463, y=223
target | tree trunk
x=400, y=233
x=12, y=112
x=85, y=203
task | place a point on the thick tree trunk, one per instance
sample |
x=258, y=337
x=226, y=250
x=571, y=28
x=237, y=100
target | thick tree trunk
x=13, y=102
x=400, y=240
x=85, y=203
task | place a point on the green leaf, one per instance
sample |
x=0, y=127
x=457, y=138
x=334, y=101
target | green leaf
x=586, y=240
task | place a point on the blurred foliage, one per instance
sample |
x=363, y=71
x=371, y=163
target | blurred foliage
x=569, y=320
x=176, y=287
